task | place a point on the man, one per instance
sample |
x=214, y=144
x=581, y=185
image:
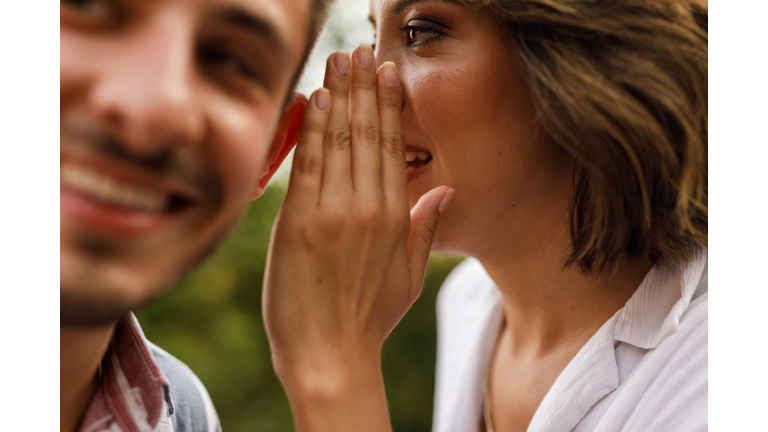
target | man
x=170, y=123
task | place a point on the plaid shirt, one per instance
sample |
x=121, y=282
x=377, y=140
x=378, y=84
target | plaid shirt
x=144, y=389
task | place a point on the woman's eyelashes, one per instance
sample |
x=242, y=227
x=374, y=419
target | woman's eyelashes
x=419, y=32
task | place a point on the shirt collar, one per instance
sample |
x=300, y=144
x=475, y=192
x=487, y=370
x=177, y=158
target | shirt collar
x=133, y=391
x=588, y=377
x=653, y=313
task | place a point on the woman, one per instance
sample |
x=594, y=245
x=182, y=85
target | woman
x=574, y=134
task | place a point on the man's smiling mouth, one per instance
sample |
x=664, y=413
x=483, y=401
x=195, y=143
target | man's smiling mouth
x=110, y=191
x=132, y=204
x=115, y=193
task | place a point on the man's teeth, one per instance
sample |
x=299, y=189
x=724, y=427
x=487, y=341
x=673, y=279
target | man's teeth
x=110, y=191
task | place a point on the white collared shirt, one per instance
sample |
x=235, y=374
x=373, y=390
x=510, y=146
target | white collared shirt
x=644, y=370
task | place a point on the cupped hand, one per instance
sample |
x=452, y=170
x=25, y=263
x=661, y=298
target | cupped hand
x=346, y=257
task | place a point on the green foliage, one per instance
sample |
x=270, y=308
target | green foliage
x=212, y=322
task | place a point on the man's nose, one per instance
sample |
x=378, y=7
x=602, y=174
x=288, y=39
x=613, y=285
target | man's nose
x=146, y=95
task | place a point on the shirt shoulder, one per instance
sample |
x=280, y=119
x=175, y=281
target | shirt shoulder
x=193, y=410
x=468, y=282
x=676, y=397
x=668, y=390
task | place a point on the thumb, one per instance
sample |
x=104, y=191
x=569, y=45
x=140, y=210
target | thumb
x=424, y=217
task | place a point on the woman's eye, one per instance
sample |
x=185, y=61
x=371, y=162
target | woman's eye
x=418, y=35
x=420, y=32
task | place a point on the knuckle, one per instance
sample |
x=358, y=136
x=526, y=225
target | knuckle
x=314, y=124
x=339, y=89
x=332, y=223
x=394, y=144
x=370, y=215
x=401, y=224
x=334, y=213
x=365, y=84
x=390, y=101
x=368, y=132
x=427, y=234
x=306, y=165
x=338, y=138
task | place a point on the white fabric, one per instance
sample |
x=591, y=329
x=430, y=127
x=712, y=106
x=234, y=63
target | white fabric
x=644, y=370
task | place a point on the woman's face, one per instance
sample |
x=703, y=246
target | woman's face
x=467, y=106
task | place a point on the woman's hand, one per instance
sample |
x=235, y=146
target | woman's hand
x=346, y=259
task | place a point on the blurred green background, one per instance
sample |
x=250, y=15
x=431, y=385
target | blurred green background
x=212, y=322
x=212, y=319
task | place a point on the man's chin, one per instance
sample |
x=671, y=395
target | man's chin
x=99, y=285
x=88, y=311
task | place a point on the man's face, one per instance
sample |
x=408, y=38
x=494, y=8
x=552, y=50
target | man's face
x=168, y=113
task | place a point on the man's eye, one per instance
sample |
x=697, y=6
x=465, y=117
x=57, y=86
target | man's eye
x=92, y=9
x=223, y=60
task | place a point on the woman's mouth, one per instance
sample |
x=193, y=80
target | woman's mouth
x=416, y=160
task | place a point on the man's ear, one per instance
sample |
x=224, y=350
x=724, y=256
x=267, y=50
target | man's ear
x=286, y=137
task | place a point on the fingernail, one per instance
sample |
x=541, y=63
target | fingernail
x=444, y=202
x=341, y=63
x=389, y=73
x=322, y=99
x=365, y=56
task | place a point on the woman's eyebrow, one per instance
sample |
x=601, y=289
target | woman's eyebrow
x=400, y=5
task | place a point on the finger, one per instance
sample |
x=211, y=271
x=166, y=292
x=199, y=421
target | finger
x=336, y=150
x=306, y=173
x=424, y=217
x=364, y=124
x=390, y=100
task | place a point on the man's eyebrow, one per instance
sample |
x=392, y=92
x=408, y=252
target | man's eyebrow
x=400, y=5
x=257, y=26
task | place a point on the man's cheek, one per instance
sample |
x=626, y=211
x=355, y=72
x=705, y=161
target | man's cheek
x=240, y=136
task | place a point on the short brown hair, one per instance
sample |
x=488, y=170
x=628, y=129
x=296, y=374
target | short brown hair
x=318, y=15
x=621, y=85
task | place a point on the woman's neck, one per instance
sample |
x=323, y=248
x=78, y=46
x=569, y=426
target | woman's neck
x=548, y=306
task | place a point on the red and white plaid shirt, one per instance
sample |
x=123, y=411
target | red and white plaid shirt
x=134, y=395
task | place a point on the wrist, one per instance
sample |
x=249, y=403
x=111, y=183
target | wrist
x=328, y=378
x=331, y=394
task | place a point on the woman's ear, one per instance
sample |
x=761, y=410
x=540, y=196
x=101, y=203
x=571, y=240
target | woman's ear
x=286, y=137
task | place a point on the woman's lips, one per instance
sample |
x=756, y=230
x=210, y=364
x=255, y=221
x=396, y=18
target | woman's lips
x=417, y=163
